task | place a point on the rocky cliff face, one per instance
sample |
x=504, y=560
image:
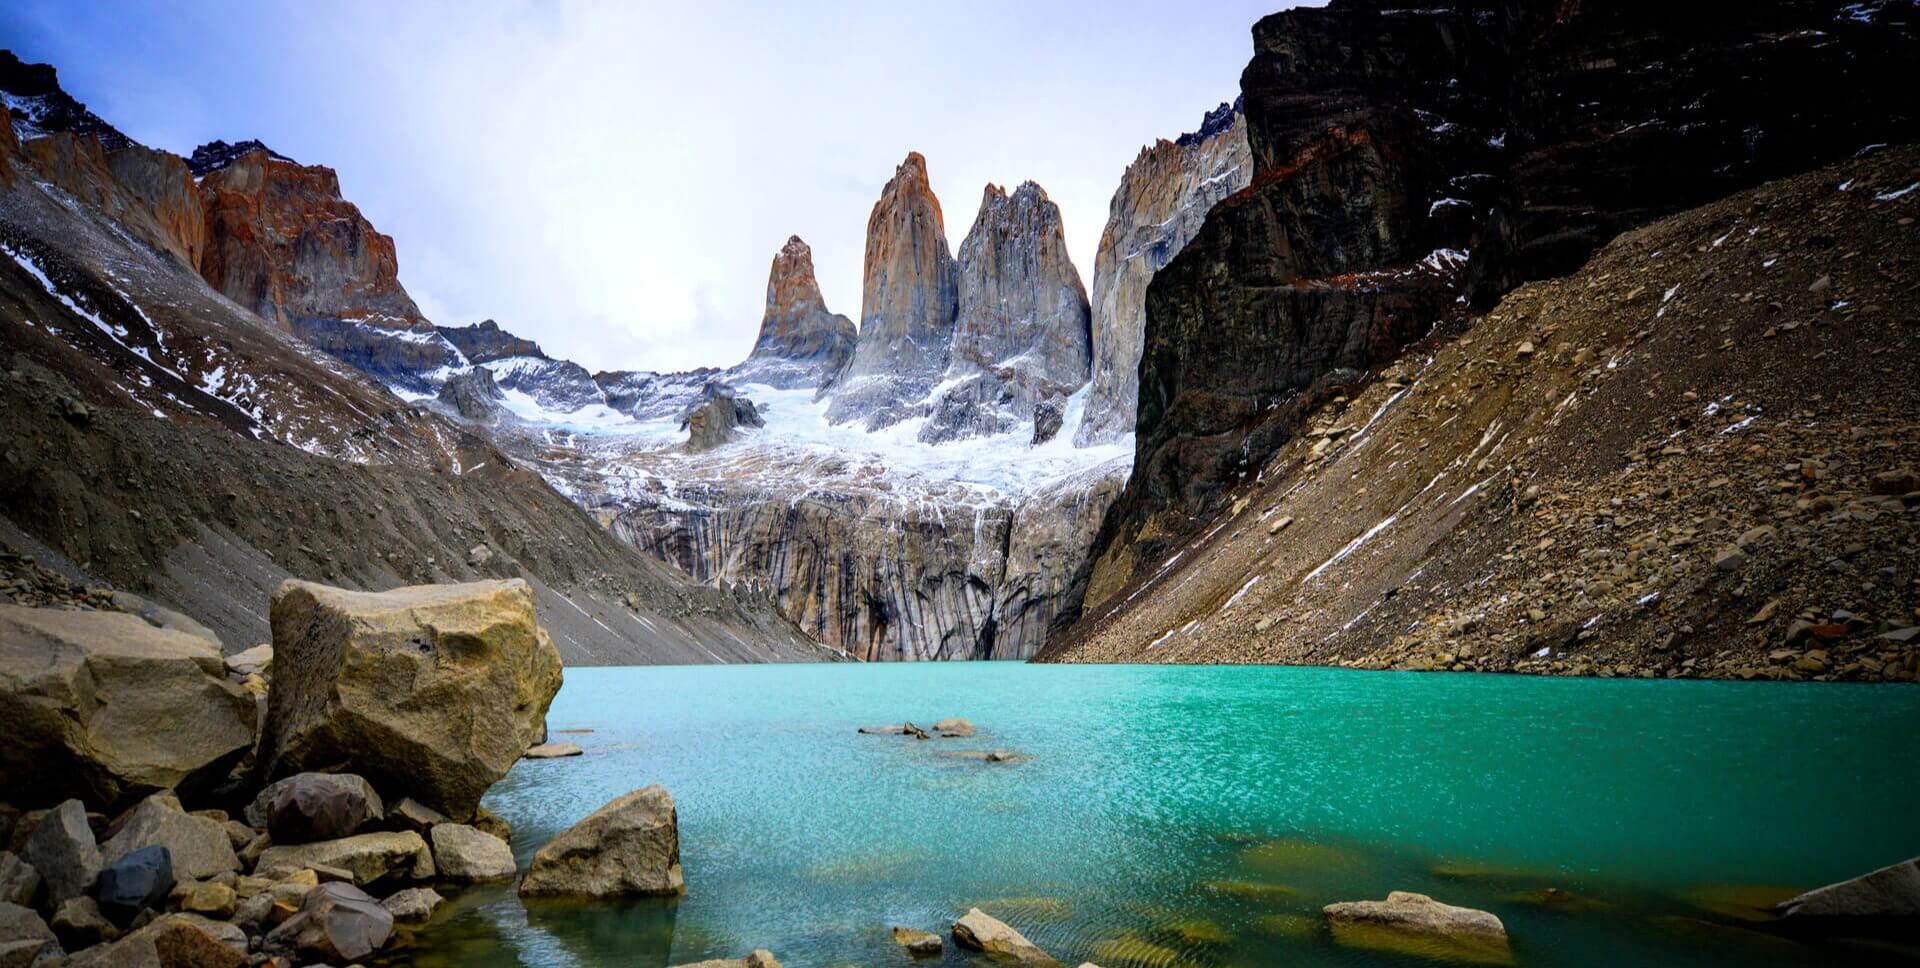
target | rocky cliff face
x=907, y=302
x=1162, y=200
x=800, y=344
x=1407, y=157
x=1695, y=457
x=485, y=341
x=37, y=106
x=1022, y=335
x=282, y=242
x=713, y=419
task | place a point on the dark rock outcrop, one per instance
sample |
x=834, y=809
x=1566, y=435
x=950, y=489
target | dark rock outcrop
x=217, y=154
x=713, y=418
x=800, y=344
x=1021, y=336
x=473, y=395
x=38, y=106
x=907, y=303
x=485, y=341
x=557, y=386
x=1162, y=200
x=1406, y=157
x=647, y=396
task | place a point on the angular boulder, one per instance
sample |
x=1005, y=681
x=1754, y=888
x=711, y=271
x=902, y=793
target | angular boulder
x=1888, y=898
x=315, y=806
x=19, y=882
x=103, y=706
x=62, y=850
x=410, y=814
x=1410, y=923
x=432, y=691
x=982, y=932
x=337, y=923
x=467, y=856
x=198, y=846
x=24, y=938
x=415, y=905
x=630, y=847
x=80, y=924
x=140, y=880
x=368, y=858
x=171, y=941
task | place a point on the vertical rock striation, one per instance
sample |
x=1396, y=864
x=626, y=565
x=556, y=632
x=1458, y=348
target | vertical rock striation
x=1162, y=200
x=908, y=299
x=801, y=344
x=1410, y=159
x=1022, y=335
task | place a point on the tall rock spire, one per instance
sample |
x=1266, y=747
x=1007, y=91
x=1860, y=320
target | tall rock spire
x=908, y=300
x=800, y=343
x=1021, y=336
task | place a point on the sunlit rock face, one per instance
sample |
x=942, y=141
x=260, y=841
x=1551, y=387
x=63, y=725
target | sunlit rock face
x=282, y=242
x=1021, y=337
x=800, y=342
x=908, y=299
x=1162, y=200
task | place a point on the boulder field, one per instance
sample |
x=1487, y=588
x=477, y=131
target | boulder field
x=151, y=822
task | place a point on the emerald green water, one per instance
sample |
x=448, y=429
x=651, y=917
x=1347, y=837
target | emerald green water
x=1203, y=815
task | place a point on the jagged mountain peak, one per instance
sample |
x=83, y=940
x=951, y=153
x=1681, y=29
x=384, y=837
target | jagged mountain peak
x=216, y=154
x=38, y=105
x=1217, y=121
x=485, y=341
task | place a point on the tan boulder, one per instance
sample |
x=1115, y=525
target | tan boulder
x=982, y=932
x=464, y=855
x=105, y=707
x=1416, y=924
x=198, y=846
x=432, y=691
x=630, y=847
x=369, y=858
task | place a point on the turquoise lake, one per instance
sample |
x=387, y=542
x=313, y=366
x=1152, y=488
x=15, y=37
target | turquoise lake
x=1203, y=815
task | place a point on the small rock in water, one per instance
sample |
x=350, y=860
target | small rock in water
x=920, y=944
x=552, y=751
x=413, y=905
x=953, y=728
x=980, y=931
x=1408, y=922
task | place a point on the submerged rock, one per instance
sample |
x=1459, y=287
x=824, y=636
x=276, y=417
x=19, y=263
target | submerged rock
x=980, y=931
x=368, y=682
x=553, y=751
x=630, y=847
x=920, y=944
x=761, y=958
x=104, y=706
x=1411, y=923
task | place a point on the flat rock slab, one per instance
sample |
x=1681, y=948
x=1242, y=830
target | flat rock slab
x=552, y=751
x=982, y=932
x=1417, y=925
x=370, y=858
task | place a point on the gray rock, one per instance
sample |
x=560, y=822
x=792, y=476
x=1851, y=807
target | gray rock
x=415, y=905
x=19, y=882
x=24, y=938
x=1886, y=898
x=630, y=847
x=337, y=923
x=199, y=846
x=61, y=848
x=410, y=814
x=464, y=855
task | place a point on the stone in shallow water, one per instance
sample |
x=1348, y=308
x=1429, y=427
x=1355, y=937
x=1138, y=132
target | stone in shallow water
x=464, y=855
x=980, y=931
x=553, y=751
x=920, y=944
x=1418, y=925
x=413, y=905
x=630, y=847
x=1886, y=898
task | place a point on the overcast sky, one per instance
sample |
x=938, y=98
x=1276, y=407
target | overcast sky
x=612, y=180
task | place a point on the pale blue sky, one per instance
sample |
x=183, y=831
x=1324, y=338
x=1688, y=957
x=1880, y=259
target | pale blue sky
x=612, y=179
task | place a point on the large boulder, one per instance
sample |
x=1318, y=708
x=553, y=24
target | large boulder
x=315, y=806
x=431, y=691
x=464, y=855
x=1888, y=898
x=140, y=880
x=23, y=936
x=983, y=932
x=103, y=706
x=630, y=847
x=337, y=923
x=199, y=846
x=369, y=858
x=1416, y=924
x=61, y=848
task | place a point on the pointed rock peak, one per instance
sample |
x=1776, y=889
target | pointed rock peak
x=916, y=163
x=791, y=286
x=215, y=155
x=1031, y=189
x=1217, y=121
x=994, y=192
x=797, y=247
